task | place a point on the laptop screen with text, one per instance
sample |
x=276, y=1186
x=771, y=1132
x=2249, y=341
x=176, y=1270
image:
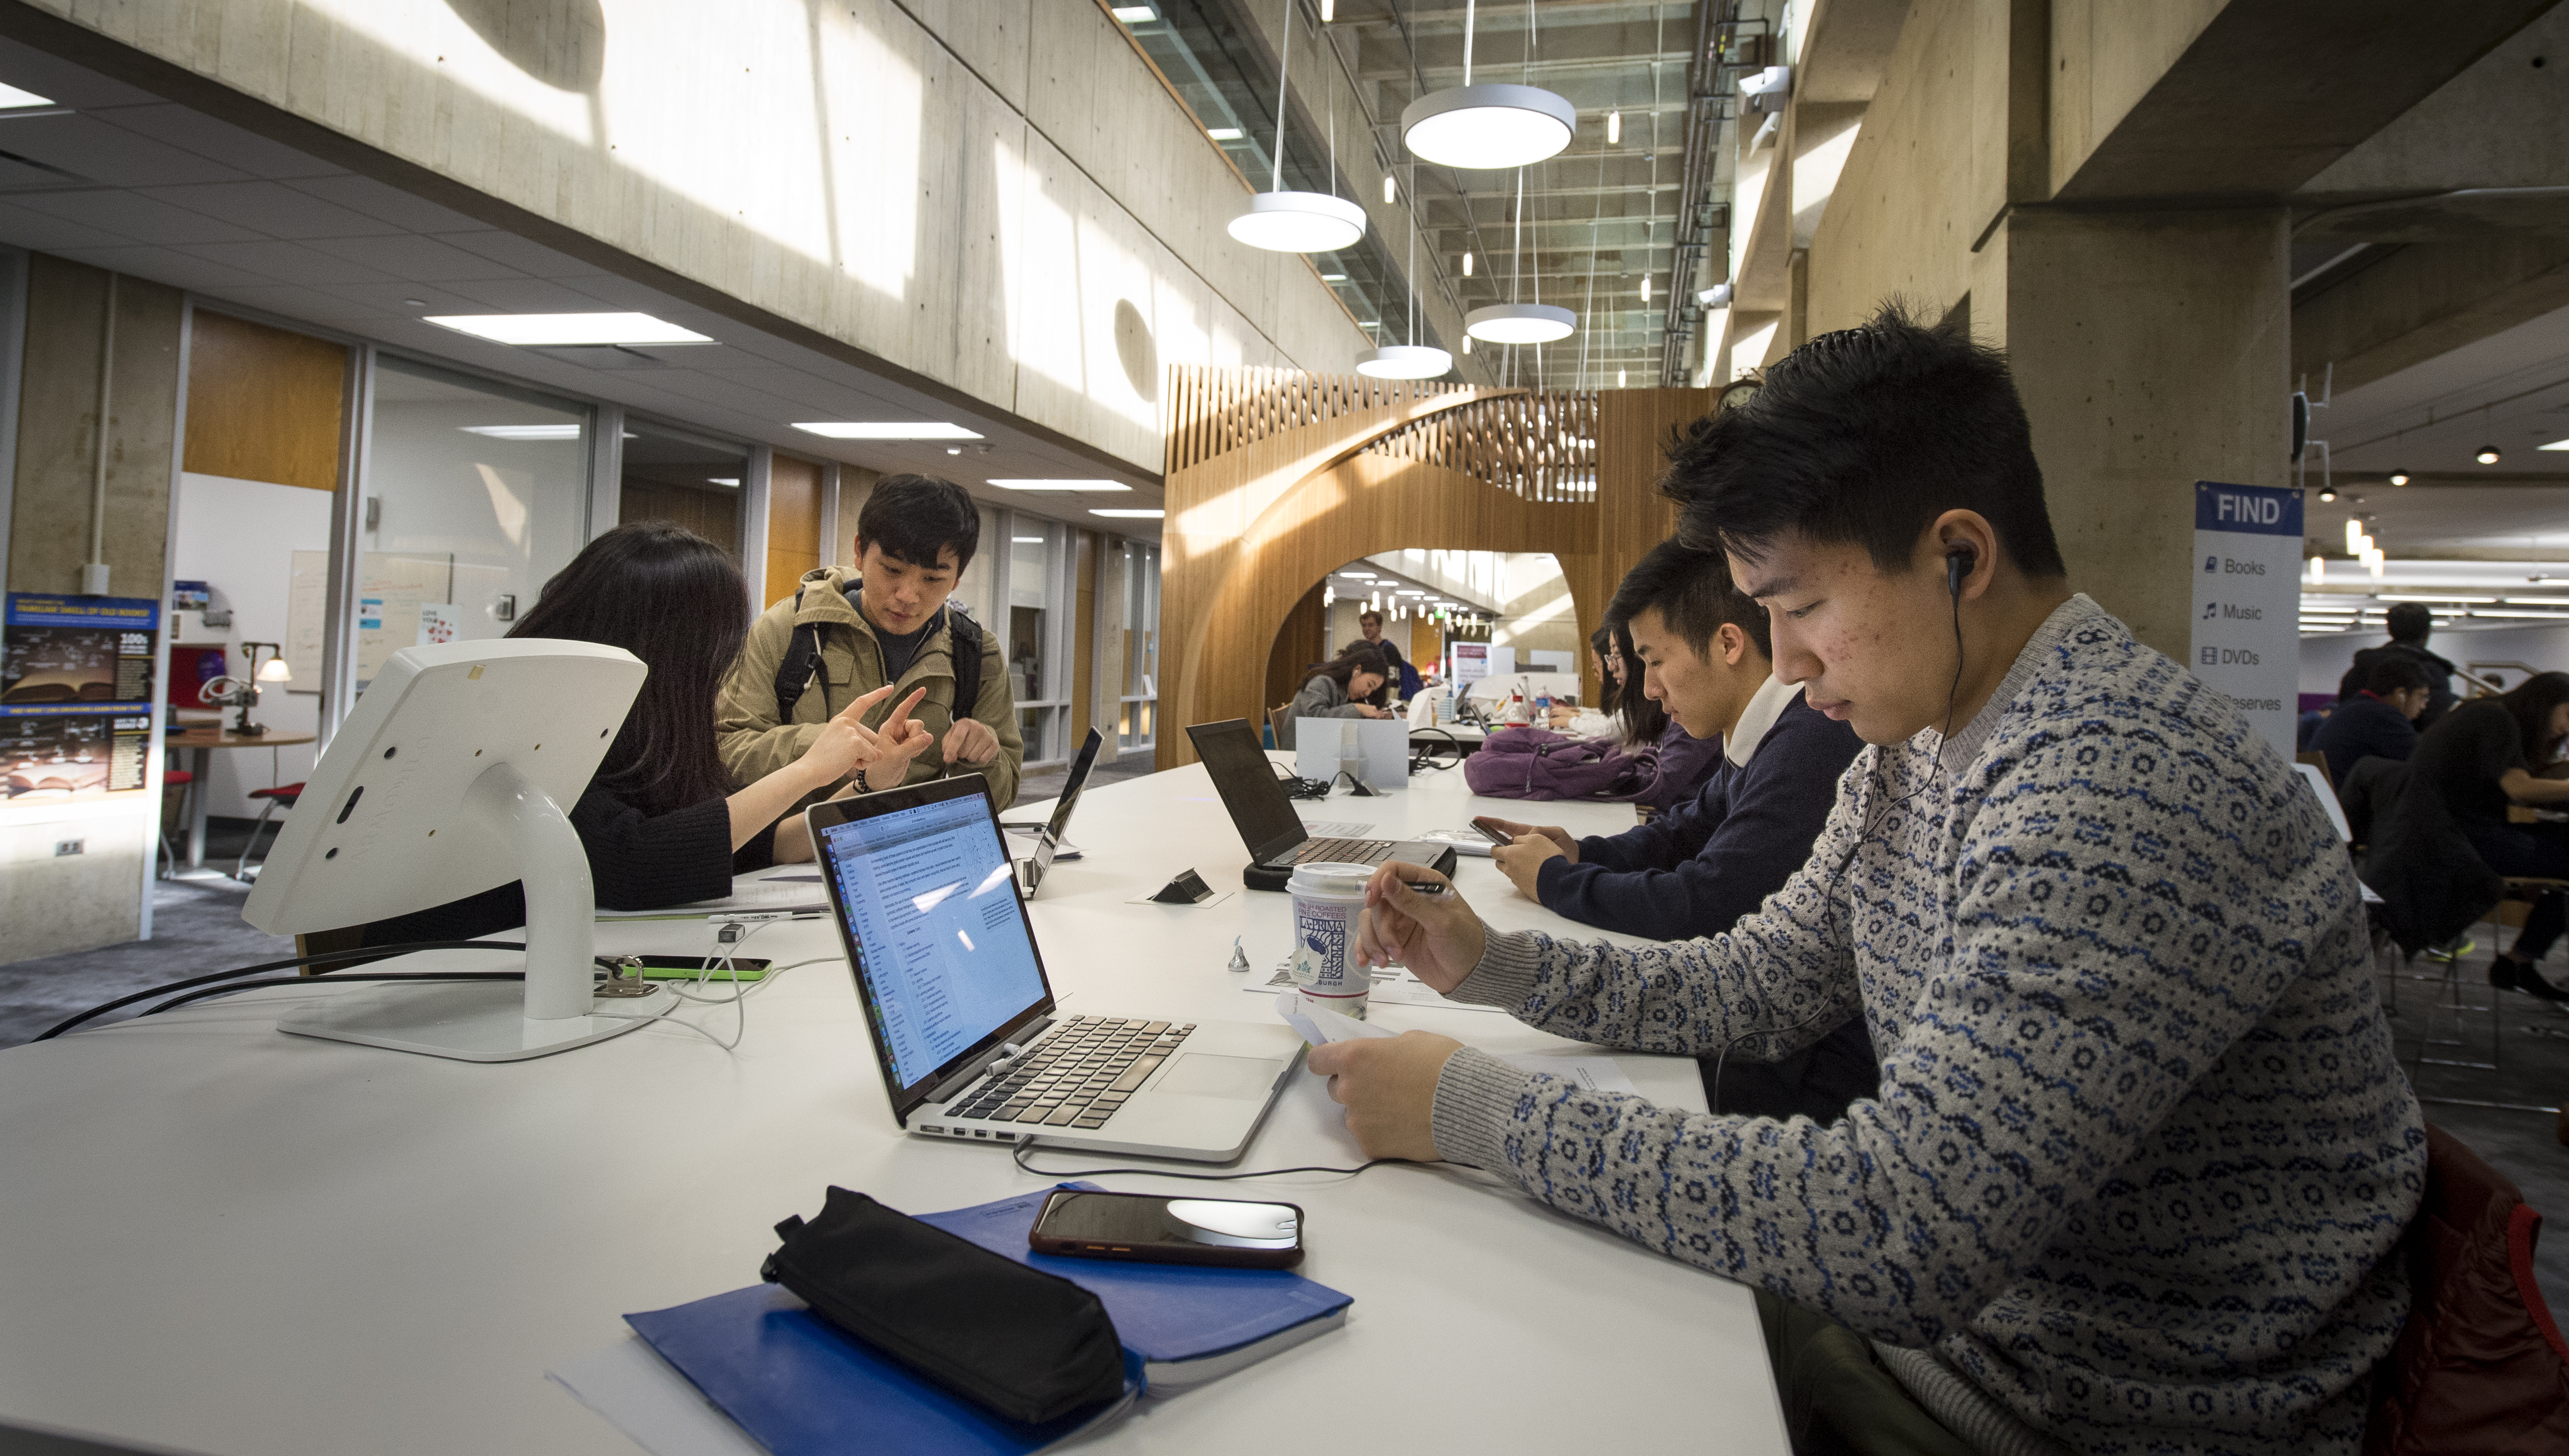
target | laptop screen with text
x=945, y=960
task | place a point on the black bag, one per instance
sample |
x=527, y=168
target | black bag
x=803, y=658
x=1028, y=1345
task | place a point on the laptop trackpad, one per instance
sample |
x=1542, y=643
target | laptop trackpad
x=1205, y=1075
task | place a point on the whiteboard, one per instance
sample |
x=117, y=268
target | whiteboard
x=307, y=614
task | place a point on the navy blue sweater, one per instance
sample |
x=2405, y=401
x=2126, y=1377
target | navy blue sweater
x=1696, y=870
x=2364, y=726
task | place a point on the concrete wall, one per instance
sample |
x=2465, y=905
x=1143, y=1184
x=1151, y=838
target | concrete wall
x=979, y=194
x=52, y=903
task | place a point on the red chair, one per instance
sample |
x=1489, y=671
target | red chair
x=172, y=778
x=283, y=794
x=2480, y=1366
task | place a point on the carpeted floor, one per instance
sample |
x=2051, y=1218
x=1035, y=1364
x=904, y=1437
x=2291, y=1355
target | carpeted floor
x=1046, y=782
x=195, y=927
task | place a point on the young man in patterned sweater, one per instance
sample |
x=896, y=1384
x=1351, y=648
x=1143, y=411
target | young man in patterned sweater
x=2141, y=1153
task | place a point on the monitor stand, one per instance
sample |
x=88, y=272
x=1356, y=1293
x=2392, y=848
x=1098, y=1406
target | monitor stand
x=502, y=1021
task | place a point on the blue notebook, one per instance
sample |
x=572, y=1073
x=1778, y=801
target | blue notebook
x=800, y=1386
x=1189, y=1323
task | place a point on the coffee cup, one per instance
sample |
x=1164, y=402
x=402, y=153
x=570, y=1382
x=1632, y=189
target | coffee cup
x=1327, y=899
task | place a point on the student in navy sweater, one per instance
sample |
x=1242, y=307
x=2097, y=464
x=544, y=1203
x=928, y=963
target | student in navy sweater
x=1703, y=656
x=2378, y=722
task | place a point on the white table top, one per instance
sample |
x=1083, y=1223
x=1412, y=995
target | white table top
x=225, y=1240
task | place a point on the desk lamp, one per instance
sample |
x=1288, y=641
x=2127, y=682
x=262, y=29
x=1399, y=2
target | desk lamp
x=243, y=692
x=447, y=780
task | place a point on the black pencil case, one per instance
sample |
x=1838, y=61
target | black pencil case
x=1028, y=1345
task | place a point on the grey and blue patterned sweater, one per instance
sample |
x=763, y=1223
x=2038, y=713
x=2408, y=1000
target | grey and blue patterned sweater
x=2142, y=1148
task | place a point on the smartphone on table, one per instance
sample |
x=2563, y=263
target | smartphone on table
x=1152, y=1228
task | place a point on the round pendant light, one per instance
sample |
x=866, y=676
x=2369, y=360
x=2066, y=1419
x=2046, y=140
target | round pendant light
x=1489, y=127
x=1520, y=323
x=1404, y=361
x=1283, y=221
x=1299, y=222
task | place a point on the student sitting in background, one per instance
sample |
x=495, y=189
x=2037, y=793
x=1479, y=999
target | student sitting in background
x=1403, y=679
x=2378, y=722
x=888, y=622
x=2142, y=1154
x=2409, y=624
x=2437, y=861
x=662, y=820
x=1338, y=688
x=1637, y=722
x=1699, y=869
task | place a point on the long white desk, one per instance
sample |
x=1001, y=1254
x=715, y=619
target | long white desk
x=223, y=1240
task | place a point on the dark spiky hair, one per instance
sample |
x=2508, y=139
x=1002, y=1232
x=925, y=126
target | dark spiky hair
x=1866, y=436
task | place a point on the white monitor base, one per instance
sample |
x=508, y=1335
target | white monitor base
x=473, y=1021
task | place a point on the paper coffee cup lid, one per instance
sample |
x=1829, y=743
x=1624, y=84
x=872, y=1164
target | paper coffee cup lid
x=1330, y=877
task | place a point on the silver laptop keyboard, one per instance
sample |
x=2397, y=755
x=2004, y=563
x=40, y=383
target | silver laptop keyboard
x=1080, y=1075
x=1342, y=852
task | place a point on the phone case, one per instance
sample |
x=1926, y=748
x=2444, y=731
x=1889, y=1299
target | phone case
x=1162, y=1253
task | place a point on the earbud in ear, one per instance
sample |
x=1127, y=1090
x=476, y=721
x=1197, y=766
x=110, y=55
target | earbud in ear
x=1957, y=565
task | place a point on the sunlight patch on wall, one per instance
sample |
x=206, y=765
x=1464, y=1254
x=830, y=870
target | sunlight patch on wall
x=1040, y=259
x=424, y=28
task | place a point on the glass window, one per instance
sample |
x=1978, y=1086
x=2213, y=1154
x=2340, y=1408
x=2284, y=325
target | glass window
x=695, y=483
x=475, y=497
x=1040, y=613
x=1138, y=620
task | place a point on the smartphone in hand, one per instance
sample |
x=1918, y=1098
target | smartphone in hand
x=1490, y=827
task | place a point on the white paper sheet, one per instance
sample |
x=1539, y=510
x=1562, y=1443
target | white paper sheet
x=1393, y=985
x=639, y=1394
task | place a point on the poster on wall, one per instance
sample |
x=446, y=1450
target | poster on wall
x=2247, y=602
x=1471, y=662
x=76, y=709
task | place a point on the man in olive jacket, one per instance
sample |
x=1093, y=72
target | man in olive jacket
x=888, y=621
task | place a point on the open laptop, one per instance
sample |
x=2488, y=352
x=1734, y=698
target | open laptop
x=964, y=1020
x=1265, y=817
x=1048, y=836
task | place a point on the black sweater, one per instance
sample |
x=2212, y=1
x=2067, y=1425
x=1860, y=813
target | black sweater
x=635, y=863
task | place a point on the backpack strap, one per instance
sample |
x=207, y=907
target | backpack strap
x=967, y=659
x=802, y=659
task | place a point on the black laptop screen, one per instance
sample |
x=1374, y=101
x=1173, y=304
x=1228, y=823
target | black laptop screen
x=943, y=956
x=1248, y=789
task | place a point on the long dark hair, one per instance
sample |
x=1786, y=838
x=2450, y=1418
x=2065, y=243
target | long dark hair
x=1645, y=721
x=672, y=598
x=2530, y=703
x=1353, y=658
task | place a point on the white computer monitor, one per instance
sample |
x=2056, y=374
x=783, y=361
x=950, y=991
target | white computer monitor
x=452, y=777
x=1319, y=744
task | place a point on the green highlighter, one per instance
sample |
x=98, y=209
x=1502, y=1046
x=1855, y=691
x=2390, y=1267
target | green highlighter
x=688, y=967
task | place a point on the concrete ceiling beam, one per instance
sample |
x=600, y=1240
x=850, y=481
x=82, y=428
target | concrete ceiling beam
x=2261, y=98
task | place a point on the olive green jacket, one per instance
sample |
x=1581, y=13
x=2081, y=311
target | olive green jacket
x=754, y=744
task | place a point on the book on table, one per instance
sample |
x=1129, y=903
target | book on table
x=798, y=1384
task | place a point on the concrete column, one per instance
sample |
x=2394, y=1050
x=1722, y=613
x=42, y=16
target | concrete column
x=2152, y=350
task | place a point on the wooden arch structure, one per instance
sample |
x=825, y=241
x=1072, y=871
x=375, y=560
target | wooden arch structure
x=1276, y=479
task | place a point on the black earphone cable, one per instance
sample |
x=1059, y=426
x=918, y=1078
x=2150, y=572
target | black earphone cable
x=365, y=953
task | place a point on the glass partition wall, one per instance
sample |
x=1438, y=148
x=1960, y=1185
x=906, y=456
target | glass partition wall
x=666, y=475
x=1038, y=590
x=1135, y=577
x=473, y=495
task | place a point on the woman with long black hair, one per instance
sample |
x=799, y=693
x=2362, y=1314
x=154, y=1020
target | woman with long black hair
x=661, y=820
x=1338, y=688
x=2476, y=762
